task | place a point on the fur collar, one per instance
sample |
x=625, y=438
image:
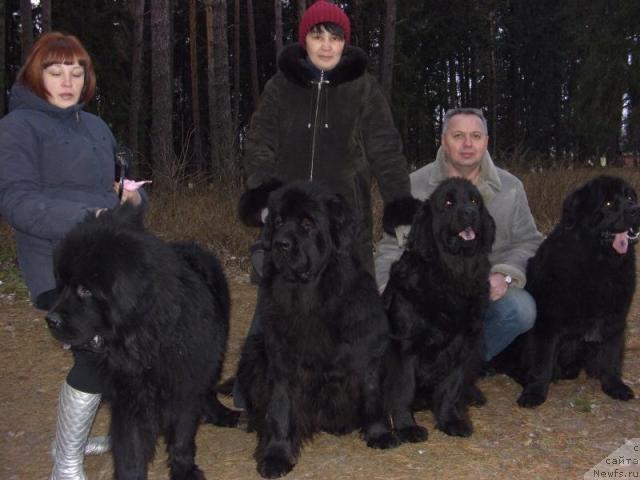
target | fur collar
x=292, y=62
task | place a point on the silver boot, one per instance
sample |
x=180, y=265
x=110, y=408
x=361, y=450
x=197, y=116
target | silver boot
x=76, y=412
x=95, y=446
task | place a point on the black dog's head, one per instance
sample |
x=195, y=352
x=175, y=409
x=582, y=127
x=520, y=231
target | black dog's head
x=306, y=227
x=103, y=269
x=606, y=210
x=454, y=221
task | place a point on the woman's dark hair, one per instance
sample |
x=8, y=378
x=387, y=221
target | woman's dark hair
x=330, y=27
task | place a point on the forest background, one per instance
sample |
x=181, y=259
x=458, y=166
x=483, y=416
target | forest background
x=179, y=80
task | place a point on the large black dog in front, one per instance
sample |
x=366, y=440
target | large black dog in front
x=436, y=299
x=583, y=280
x=315, y=364
x=158, y=313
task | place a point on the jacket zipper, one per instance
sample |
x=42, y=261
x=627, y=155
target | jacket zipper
x=315, y=124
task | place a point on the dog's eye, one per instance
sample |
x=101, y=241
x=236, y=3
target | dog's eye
x=448, y=203
x=83, y=292
x=277, y=222
x=308, y=224
x=474, y=201
x=608, y=203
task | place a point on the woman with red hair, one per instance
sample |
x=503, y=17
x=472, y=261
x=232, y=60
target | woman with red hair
x=57, y=166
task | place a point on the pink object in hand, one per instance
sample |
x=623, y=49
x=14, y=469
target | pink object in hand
x=132, y=185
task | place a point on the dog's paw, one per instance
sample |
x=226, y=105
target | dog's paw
x=618, y=390
x=457, y=427
x=413, y=434
x=384, y=441
x=193, y=474
x=275, y=466
x=218, y=414
x=531, y=397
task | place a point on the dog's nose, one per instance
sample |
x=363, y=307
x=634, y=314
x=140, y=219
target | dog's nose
x=283, y=244
x=54, y=320
x=634, y=213
x=468, y=212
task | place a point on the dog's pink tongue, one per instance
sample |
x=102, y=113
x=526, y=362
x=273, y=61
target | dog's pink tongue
x=468, y=234
x=621, y=242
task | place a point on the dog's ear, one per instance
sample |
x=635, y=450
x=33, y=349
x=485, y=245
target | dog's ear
x=421, y=239
x=574, y=206
x=341, y=223
x=126, y=215
x=488, y=226
x=254, y=200
x=399, y=212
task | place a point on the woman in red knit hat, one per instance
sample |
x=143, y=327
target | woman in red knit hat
x=322, y=117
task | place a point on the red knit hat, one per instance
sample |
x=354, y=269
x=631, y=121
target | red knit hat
x=323, y=12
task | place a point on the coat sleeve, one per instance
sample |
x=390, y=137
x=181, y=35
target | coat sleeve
x=383, y=146
x=525, y=240
x=387, y=253
x=262, y=139
x=23, y=204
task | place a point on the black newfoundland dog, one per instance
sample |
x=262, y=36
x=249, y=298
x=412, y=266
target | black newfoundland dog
x=582, y=278
x=316, y=363
x=158, y=313
x=436, y=299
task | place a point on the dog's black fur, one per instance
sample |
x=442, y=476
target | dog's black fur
x=436, y=299
x=582, y=279
x=158, y=314
x=315, y=364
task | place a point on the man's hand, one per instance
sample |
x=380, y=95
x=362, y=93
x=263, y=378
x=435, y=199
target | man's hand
x=498, y=286
x=402, y=233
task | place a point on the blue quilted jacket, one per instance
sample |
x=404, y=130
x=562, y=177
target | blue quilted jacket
x=56, y=166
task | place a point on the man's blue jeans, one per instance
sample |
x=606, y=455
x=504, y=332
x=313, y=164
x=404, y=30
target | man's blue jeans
x=506, y=318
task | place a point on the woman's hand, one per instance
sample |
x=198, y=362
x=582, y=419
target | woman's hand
x=130, y=192
x=131, y=196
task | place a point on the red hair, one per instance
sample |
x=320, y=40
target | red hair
x=56, y=47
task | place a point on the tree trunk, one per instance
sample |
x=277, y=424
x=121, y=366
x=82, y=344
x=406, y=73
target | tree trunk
x=277, y=7
x=195, y=96
x=389, y=47
x=255, y=89
x=302, y=6
x=493, y=82
x=357, y=29
x=161, y=91
x=222, y=91
x=213, y=151
x=3, y=55
x=136, y=10
x=45, y=5
x=26, y=28
x=236, y=67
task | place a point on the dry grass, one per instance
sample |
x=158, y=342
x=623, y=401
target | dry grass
x=547, y=190
x=205, y=214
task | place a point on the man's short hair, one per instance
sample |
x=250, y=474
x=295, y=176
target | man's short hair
x=464, y=111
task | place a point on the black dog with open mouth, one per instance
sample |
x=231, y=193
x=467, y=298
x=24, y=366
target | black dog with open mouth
x=583, y=280
x=436, y=299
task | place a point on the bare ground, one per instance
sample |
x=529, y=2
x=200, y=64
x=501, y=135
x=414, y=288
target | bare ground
x=575, y=429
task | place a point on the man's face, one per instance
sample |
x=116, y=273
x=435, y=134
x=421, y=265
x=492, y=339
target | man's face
x=465, y=141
